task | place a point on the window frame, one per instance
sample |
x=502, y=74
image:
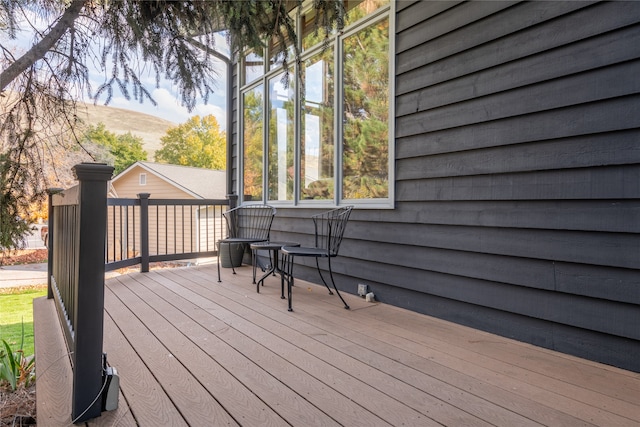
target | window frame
x=269, y=72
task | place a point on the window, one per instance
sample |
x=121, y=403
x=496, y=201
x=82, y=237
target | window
x=280, y=138
x=253, y=66
x=143, y=179
x=324, y=136
x=365, y=98
x=317, y=145
x=252, y=120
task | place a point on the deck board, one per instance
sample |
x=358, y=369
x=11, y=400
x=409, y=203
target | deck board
x=231, y=349
x=421, y=356
x=143, y=392
x=566, y=387
x=347, y=411
x=54, y=374
x=322, y=362
x=420, y=388
x=191, y=351
x=150, y=335
x=310, y=339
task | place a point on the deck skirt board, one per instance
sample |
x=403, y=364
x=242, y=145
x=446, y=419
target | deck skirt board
x=53, y=366
x=191, y=351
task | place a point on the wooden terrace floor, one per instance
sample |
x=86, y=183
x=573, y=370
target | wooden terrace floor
x=191, y=351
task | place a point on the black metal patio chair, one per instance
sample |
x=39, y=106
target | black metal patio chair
x=245, y=225
x=329, y=230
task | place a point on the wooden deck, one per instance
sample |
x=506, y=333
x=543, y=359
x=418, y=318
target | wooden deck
x=191, y=351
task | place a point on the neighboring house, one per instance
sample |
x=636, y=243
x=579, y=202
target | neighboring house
x=186, y=226
x=492, y=151
x=163, y=181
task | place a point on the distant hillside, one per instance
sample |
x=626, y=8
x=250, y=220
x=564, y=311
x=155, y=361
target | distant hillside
x=119, y=120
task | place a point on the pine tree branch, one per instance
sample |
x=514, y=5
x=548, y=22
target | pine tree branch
x=40, y=49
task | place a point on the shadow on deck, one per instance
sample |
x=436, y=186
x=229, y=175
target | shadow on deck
x=191, y=351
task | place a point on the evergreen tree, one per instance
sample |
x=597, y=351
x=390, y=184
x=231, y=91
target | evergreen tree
x=12, y=204
x=127, y=39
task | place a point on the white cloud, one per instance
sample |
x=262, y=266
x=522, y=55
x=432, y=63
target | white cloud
x=169, y=107
x=218, y=112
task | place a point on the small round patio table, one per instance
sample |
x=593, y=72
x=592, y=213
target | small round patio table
x=273, y=247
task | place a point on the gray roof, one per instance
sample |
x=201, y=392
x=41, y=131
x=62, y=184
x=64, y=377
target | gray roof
x=201, y=183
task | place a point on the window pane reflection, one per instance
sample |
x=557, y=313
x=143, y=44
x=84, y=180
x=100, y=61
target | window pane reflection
x=253, y=122
x=281, y=138
x=276, y=60
x=317, y=139
x=356, y=9
x=310, y=37
x=253, y=66
x=365, y=156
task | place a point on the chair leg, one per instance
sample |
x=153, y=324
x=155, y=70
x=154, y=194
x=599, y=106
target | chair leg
x=254, y=262
x=287, y=261
x=273, y=261
x=219, y=280
x=289, y=294
x=334, y=285
x=232, y=267
x=284, y=272
x=322, y=277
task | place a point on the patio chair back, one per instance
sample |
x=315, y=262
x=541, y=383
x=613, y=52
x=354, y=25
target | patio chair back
x=251, y=222
x=329, y=229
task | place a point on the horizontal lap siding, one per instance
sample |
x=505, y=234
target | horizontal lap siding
x=518, y=174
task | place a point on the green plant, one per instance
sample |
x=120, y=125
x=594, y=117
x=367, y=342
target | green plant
x=16, y=315
x=16, y=369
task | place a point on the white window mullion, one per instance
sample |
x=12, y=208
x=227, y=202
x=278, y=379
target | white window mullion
x=338, y=119
x=266, y=112
x=297, y=117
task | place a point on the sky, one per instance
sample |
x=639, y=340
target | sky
x=168, y=103
x=169, y=107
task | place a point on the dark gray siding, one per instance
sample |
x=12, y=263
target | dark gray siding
x=517, y=176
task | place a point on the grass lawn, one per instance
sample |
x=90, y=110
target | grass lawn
x=16, y=310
